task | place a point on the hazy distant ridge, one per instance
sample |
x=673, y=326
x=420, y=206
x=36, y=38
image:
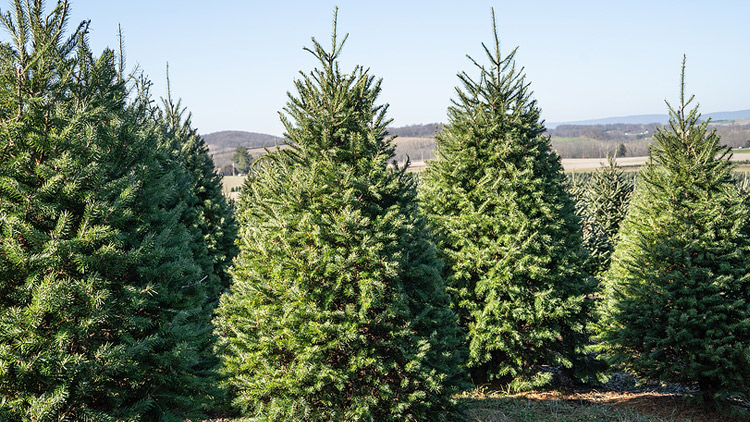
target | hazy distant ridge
x=651, y=118
x=236, y=138
x=581, y=139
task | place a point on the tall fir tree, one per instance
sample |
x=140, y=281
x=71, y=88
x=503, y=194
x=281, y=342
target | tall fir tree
x=678, y=290
x=102, y=313
x=506, y=226
x=338, y=310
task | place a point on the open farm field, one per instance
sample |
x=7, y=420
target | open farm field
x=230, y=182
x=571, y=165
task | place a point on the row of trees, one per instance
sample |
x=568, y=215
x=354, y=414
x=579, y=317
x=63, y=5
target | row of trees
x=336, y=288
x=357, y=292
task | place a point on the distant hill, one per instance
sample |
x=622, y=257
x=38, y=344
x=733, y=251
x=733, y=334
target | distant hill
x=644, y=119
x=427, y=130
x=235, y=138
x=221, y=145
x=583, y=139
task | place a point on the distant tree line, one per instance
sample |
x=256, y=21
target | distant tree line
x=633, y=140
x=620, y=132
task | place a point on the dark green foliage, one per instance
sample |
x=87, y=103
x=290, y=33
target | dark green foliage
x=209, y=214
x=507, y=228
x=677, y=293
x=241, y=160
x=338, y=311
x=602, y=204
x=210, y=221
x=102, y=302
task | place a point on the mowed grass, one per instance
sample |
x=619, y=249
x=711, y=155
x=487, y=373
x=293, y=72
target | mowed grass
x=519, y=409
x=554, y=406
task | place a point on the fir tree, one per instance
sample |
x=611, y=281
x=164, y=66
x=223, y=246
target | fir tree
x=338, y=310
x=507, y=229
x=678, y=290
x=212, y=217
x=209, y=219
x=102, y=310
x=241, y=160
x=602, y=205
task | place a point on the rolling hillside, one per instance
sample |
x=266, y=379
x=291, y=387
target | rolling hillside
x=570, y=140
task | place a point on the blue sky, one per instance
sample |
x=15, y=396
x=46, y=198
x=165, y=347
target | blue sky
x=232, y=62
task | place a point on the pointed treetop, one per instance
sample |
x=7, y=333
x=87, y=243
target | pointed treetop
x=325, y=57
x=680, y=121
x=121, y=58
x=336, y=111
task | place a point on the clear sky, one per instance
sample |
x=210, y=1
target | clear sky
x=232, y=62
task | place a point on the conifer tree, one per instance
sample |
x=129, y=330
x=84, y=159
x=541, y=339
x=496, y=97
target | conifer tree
x=677, y=292
x=211, y=217
x=210, y=221
x=505, y=225
x=101, y=314
x=338, y=310
x=602, y=205
x=241, y=160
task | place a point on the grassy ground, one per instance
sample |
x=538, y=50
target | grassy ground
x=230, y=182
x=592, y=406
x=578, y=406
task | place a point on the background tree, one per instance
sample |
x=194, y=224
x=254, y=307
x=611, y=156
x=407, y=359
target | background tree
x=602, y=205
x=102, y=300
x=678, y=289
x=241, y=160
x=210, y=215
x=507, y=229
x=338, y=310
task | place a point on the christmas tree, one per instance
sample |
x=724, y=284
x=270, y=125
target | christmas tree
x=103, y=308
x=338, y=310
x=602, y=205
x=677, y=292
x=496, y=196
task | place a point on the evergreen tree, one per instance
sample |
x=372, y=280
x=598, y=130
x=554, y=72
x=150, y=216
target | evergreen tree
x=507, y=229
x=102, y=312
x=602, y=205
x=338, y=310
x=211, y=217
x=677, y=292
x=241, y=159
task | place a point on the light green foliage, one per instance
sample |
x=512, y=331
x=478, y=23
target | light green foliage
x=102, y=308
x=677, y=293
x=338, y=311
x=507, y=229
